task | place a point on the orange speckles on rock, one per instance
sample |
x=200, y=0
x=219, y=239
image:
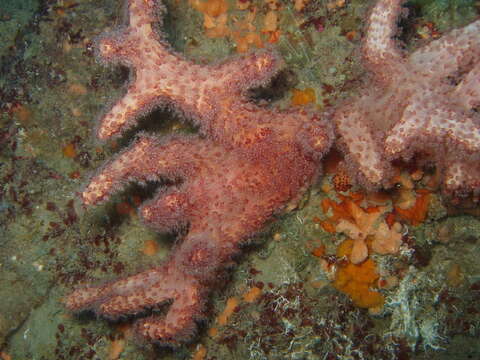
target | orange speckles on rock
x=213, y=332
x=274, y=36
x=416, y=175
x=356, y=197
x=326, y=187
x=116, y=348
x=277, y=236
x=358, y=280
x=232, y=304
x=319, y=251
x=372, y=209
x=388, y=282
x=317, y=220
x=390, y=219
x=60, y=11
x=270, y=22
x=69, y=151
x=273, y=4
x=74, y=174
x=303, y=97
x=150, y=247
x=77, y=89
x=5, y=356
x=252, y=295
x=405, y=198
x=339, y=210
x=76, y=112
x=215, y=17
x=243, y=4
x=352, y=35
x=300, y=4
x=244, y=42
x=22, y=113
x=319, y=284
x=200, y=352
x=455, y=276
x=243, y=27
x=216, y=27
x=416, y=214
x=427, y=30
x=335, y=4
x=328, y=227
x=211, y=8
x=344, y=249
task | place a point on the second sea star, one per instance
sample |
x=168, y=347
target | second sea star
x=424, y=102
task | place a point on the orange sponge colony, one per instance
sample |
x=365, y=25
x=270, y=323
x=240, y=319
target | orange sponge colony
x=358, y=280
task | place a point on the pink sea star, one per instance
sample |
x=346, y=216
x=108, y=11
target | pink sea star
x=423, y=102
x=247, y=164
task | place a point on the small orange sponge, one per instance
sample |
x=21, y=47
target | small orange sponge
x=358, y=280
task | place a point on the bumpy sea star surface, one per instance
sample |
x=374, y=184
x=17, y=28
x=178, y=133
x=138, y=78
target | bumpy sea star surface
x=248, y=163
x=424, y=102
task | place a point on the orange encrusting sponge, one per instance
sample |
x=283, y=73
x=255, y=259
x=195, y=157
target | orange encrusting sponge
x=358, y=280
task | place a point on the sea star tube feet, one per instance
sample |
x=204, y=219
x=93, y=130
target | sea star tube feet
x=424, y=102
x=246, y=164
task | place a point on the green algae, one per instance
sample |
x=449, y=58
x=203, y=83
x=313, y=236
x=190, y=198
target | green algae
x=447, y=13
x=14, y=16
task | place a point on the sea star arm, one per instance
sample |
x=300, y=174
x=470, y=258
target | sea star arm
x=256, y=68
x=467, y=92
x=462, y=176
x=449, y=53
x=436, y=121
x=361, y=145
x=159, y=73
x=124, y=113
x=90, y=297
x=183, y=280
x=145, y=160
x=145, y=290
x=380, y=52
x=167, y=211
